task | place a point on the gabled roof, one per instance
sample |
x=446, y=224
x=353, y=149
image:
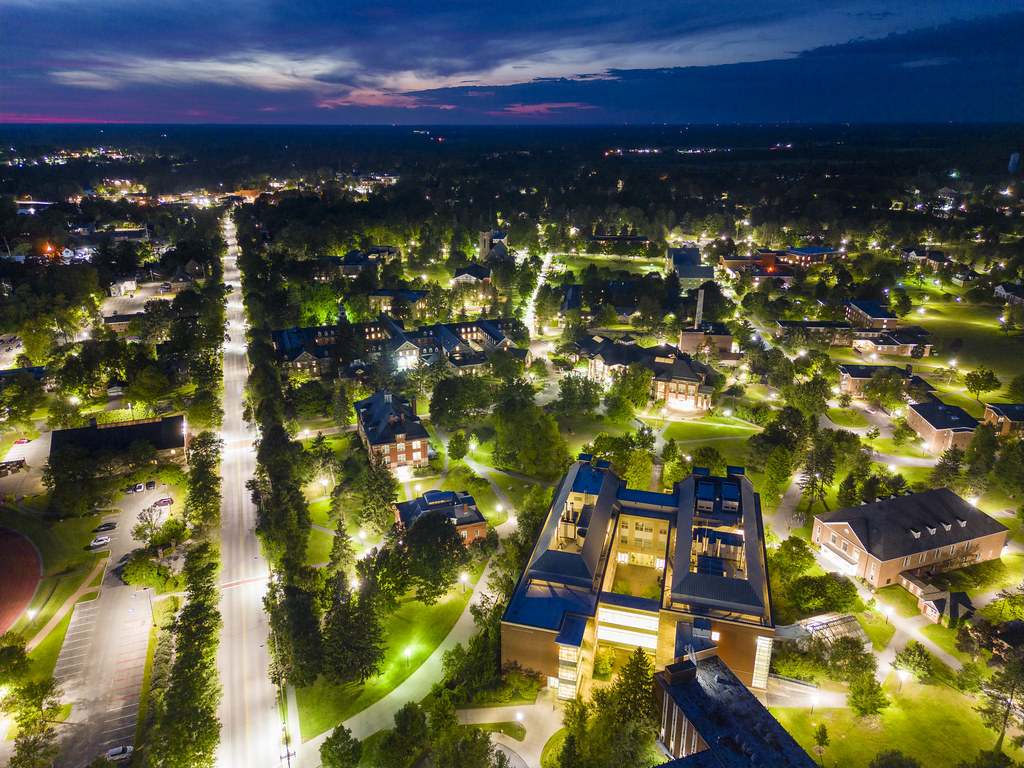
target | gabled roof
x=1011, y=411
x=384, y=415
x=459, y=506
x=940, y=415
x=476, y=271
x=905, y=525
x=873, y=309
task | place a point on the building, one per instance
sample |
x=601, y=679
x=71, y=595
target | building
x=922, y=256
x=122, y=286
x=680, y=381
x=493, y=246
x=758, y=259
x=458, y=506
x=388, y=426
x=180, y=281
x=693, y=340
x=1006, y=417
x=916, y=534
x=119, y=323
x=166, y=435
x=475, y=274
x=871, y=314
x=853, y=377
x=195, y=270
x=899, y=343
x=939, y=606
x=775, y=273
x=941, y=425
x=632, y=568
x=381, y=299
x=965, y=277
x=355, y=262
x=836, y=332
x=686, y=263
x=807, y=256
x=707, y=715
x=1010, y=293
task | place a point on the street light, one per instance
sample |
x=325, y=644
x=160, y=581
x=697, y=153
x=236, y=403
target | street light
x=814, y=701
x=407, y=654
x=32, y=615
x=903, y=677
x=463, y=578
x=887, y=609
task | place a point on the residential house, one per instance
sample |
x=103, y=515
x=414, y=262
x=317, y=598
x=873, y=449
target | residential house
x=853, y=377
x=357, y=261
x=458, y=506
x=122, y=286
x=166, y=435
x=916, y=534
x=679, y=380
x=759, y=258
x=965, y=277
x=1010, y=293
x=180, y=281
x=119, y=323
x=693, y=560
x=941, y=425
x=708, y=719
x=1007, y=417
x=870, y=314
x=388, y=426
x=774, y=273
x=195, y=270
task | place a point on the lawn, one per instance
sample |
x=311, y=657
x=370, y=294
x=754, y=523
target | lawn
x=553, y=749
x=462, y=478
x=988, y=576
x=886, y=445
x=902, y=601
x=916, y=715
x=969, y=404
x=44, y=655
x=577, y=263
x=844, y=417
x=978, y=328
x=878, y=628
x=66, y=560
x=515, y=730
x=687, y=431
x=945, y=638
x=580, y=430
x=414, y=626
x=319, y=512
x=993, y=501
x=318, y=550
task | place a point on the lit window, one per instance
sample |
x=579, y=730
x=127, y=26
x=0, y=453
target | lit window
x=401, y=457
x=906, y=561
x=921, y=557
x=462, y=534
x=567, y=653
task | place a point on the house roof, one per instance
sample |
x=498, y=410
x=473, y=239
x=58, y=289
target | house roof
x=873, y=309
x=941, y=416
x=856, y=371
x=477, y=271
x=162, y=433
x=459, y=506
x=905, y=525
x=1011, y=411
x=384, y=415
x=952, y=605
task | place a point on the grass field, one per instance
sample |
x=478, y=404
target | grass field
x=968, y=403
x=878, y=628
x=580, y=430
x=886, y=445
x=66, y=560
x=580, y=262
x=318, y=550
x=902, y=601
x=414, y=626
x=984, y=577
x=462, y=478
x=553, y=748
x=911, y=723
x=978, y=328
x=512, y=729
x=844, y=417
x=687, y=431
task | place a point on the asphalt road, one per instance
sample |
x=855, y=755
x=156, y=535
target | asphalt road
x=251, y=727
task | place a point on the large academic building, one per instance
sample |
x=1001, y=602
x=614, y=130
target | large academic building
x=669, y=572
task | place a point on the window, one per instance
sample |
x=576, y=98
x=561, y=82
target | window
x=462, y=534
x=477, y=534
x=416, y=456
x=921, y=557
x=938, y=553
x=400, y=446
x=906, y=562
x=401, y=457
x=871, y=575
x=832, y=539
x=622, y=557
x=844, y=546
x=567, y=653
x=415, y=443
x=952, y=549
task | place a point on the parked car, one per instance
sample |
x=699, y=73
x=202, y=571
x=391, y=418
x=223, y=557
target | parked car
x=150, y=485
x=120, y=753
x=164, y=502
x=139, y=487
x=104, y=527
x=99, y=541
x=22, y=441
x=871, y=410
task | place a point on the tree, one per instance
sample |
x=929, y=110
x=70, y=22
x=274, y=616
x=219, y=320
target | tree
x=353, y=638
x=778, y=469
x=899, y=303
x=21, y=396
x=311, y=400
x=458, y=445
x=1002, y=695
x=35, y=749
x=948, y=471
x=638, y=470
x=379, y=490
x=459, y=399
x=436, y=555
x=893, y=758
x=633, y=384
x=821, y=740
x=819, y=471
x=792, y=558
x=14, y=661
x=529, y=440
x=981, y=380
x=1015, y=389
x=969, y=677
x=866, y=696
x=148, y=386
x=633, y=690
x=885, y=388
x=709, y=457
x=914, y=659
x=343, y=554
x=577, y=394
x=341, y=749
x=847, y=493
x=810, y=396
x=34, y=704
x=341, y=407
x=504, y=365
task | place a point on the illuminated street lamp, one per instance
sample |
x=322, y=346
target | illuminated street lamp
x=887, y=610
x=32, y=612
x=814, y=700
x=903, y=678
x=407, y=654
x=462, y=578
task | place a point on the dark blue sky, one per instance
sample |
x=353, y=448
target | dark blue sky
x=536, y=61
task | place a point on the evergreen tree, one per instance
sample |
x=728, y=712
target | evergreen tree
x=458, y=445
x=341, y=749
x=847, y=494
x=343, y=553
x=633, y=690
x=777, y=469
x=866, y=696
x=948, y=472
x=379, y=492
x=914, y=659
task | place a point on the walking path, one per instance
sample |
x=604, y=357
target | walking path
x=69, y=604
x=538, y=718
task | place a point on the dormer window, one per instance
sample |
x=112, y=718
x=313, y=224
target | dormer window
x=962, y=523
x=931, y=530
x=915, y=534
x=947, y=526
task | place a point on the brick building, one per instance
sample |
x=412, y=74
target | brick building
x=871, y=314
x=388, y=426
x=916, y=534
x=458, y=506
x=941, y=425
x=1006, y=417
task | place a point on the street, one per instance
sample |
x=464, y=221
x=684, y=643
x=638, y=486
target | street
x=251, y=727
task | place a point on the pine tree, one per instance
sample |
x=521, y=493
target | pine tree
x=343, y=553
x=633, y=690
x=847, y=495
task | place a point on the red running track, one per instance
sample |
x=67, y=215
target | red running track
x=19, y=576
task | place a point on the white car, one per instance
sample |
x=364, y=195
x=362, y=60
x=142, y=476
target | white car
x=99, y=541
x=120, y=753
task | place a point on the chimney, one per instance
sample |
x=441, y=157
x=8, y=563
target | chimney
x=391, y=418
x=403, y=418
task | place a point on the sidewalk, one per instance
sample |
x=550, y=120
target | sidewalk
x=541, y=719
x=68, y=605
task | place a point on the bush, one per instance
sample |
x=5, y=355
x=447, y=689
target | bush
x=144, y=571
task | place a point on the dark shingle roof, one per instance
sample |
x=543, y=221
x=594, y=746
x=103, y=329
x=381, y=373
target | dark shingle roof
x=942, y=415
x=449, y=502
x=872, y=309
x=940, y=518
x=384, y=415
x=163, y=434
x=1011, y=411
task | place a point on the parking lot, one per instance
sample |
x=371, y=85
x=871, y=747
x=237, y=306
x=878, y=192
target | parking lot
x=10, y=348
x=129, y=305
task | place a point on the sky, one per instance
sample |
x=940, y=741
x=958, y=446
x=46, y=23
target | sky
x=529, y=61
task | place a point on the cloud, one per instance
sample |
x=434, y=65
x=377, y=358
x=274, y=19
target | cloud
x=539, y=110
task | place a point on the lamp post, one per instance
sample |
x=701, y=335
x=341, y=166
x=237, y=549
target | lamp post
x=462, y=578
x=887, y=610
x=814, y=700
x=407, y=654
x=32, y=615
x=903, y=674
